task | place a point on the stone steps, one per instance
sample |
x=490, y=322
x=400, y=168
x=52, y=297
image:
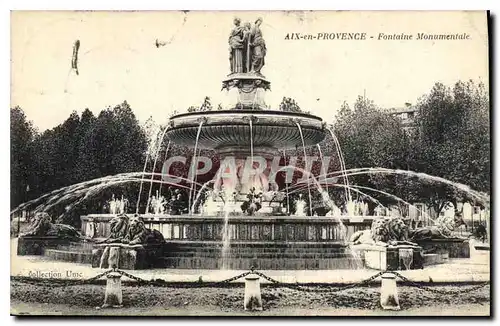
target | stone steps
x=254, y=245
x=434, y=259
x=241, y=255
x=263, y=264
x=259, y=255
x=297, y=251
x=70, y=256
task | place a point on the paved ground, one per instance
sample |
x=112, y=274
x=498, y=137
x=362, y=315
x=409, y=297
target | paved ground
x=59, y=309
x=477, y=268
x=44, y=298
x=83, y=299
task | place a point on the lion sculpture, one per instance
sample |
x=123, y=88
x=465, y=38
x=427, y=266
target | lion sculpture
x=119, y=226
x=139, y=234
x=398, y=232
x=378, y=234
x=442, y=229
x=127, y=231
x=42, y=226
x=383, y=232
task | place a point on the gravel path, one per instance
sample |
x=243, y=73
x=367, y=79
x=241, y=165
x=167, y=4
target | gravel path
x=161, y=300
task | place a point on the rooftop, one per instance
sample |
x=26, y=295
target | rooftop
x=408, y=108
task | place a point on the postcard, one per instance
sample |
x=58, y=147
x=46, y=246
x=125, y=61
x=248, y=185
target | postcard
x=245, y=163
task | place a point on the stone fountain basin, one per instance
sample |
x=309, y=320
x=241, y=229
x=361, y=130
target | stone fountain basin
x=265, y=242
x=243, y=228
x=230, y=129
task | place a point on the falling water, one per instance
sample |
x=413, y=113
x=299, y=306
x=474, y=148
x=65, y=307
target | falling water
x=142, y=181
x=340, y=225
x=305, y=156
x=340, y=155
x=322, y=167
x=326, y=198
x=226, y=237
x=194, y=163
x=399, y=199
x=251, y=142
x=195, y=181
x=165, y=157
x=484, y=198
x=157, y=144
x=352, y=188
x=286, y=189
x=154, y=166
x=199, y=193
x=84, y=190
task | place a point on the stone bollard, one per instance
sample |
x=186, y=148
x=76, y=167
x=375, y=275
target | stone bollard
x=113, y=295
x=253, y=299
x=389, y=292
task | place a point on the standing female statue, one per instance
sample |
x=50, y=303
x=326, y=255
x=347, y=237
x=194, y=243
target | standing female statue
x=258, y=47
x=237, y=47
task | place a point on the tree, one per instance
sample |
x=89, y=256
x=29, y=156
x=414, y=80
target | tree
x=115, y=144
x=372, y=138
x=22, y=133
x=290, y=105
x=364, y=104
x=453, y=140
x=206, y=105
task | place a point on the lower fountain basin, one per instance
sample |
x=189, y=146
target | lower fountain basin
x=264, y=242
x=241, y=228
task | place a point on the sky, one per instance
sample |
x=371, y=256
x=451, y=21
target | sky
x=118, y=59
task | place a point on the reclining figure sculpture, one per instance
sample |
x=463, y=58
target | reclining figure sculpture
x=384, y=232
x=42, y=226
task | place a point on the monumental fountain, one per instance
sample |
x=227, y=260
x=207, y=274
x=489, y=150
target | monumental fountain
x=243, y=222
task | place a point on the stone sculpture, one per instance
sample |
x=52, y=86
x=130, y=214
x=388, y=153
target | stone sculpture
x=119, y=228
x=384, y=232
x=258, y=46
x=42, y=226
x=139, y=234
x=133, y=245
x=247, y=48
x=238, y=47
x=253, y=202
x=442, y=229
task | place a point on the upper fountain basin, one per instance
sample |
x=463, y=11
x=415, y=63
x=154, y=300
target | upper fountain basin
x=225, y=129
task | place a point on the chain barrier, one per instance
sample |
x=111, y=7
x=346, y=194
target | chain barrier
x=191, y=285
x=328, y=289
x=59, y=282
x=200, y=283
x=436, y=291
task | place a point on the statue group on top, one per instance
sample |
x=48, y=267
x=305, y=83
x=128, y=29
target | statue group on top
x=247, y=48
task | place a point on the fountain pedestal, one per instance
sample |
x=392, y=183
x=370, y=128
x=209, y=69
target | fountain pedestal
x=250, y=88
x=454, y=247
x=129, y=257
x=391, y=258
